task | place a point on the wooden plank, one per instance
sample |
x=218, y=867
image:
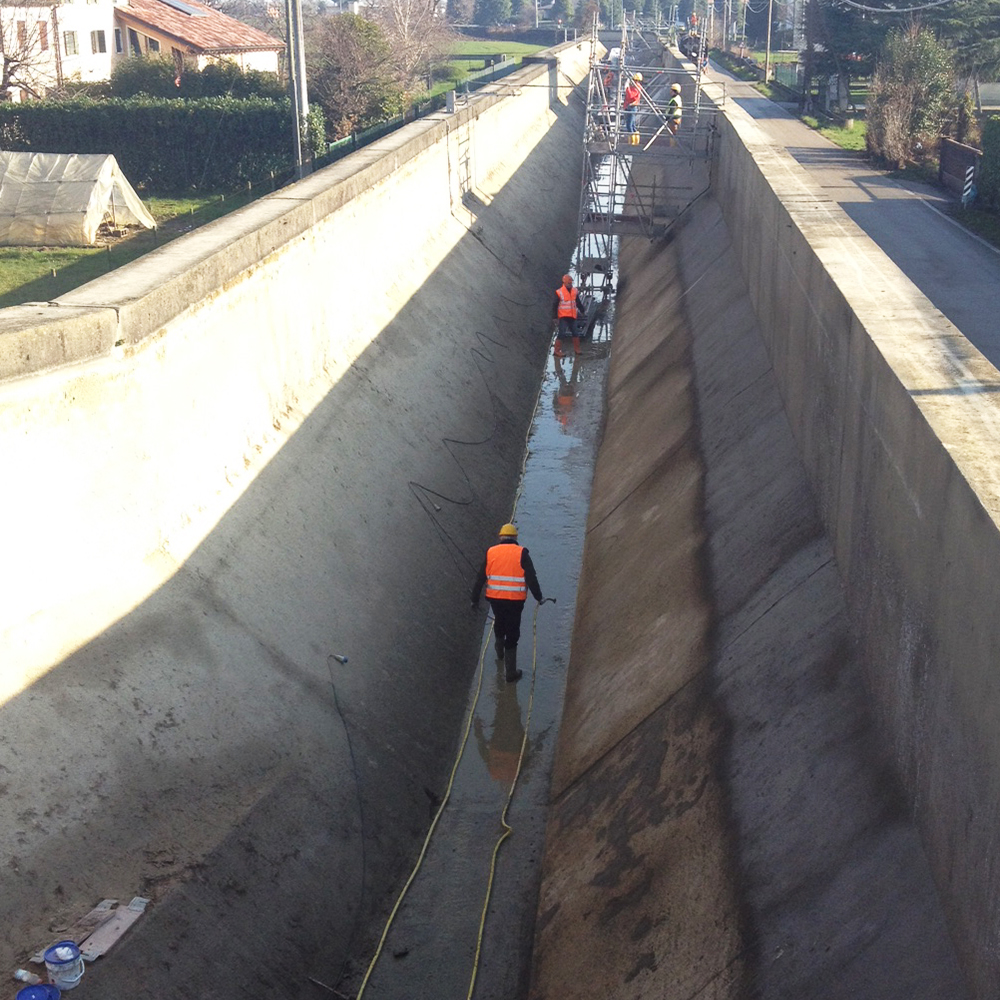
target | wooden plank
x=112, y=929
x=80, y=930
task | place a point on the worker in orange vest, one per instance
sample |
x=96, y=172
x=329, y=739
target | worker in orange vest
x=565, y=311
x=508, y=574
x=630, y=104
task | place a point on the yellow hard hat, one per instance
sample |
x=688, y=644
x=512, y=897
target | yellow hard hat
x=675, y=86
x=508, y=531
x=637, y=78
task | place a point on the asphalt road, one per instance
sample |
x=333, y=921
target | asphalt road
x=956, y=270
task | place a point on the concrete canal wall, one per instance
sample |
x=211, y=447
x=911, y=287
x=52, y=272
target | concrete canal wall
x=287, y=435
x=783, y=659
x=897, y=420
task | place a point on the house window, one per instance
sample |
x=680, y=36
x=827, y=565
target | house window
x=97, y=43
x=118, y=39
x=22, y=35
x=69, y=43
x=43, y=36
x=152, y=45
x=135, y=48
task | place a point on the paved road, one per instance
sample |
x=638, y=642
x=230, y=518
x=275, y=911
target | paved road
x=956, y=270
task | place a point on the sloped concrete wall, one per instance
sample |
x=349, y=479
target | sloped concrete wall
x=722, y=824
x=185, y=371
x=896, y=417
x=286, y=436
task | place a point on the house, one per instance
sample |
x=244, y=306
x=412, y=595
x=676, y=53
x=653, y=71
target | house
x=193, y=34
x=47, y=44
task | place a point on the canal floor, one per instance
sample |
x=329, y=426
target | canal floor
x=437, y=942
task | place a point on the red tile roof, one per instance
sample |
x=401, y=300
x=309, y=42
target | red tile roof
x=207, y=30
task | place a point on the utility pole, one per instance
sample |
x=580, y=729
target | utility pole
x=297, y=79
x=767, y=50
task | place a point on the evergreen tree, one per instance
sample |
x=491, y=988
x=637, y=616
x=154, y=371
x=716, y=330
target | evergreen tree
x=491, y=12
x=562, y=11
x=971, y=28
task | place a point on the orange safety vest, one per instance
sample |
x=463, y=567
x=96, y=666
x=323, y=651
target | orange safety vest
x=504, y=575
x=567, y=302
x=631, y=95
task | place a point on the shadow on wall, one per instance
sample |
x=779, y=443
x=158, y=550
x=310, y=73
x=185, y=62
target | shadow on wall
x=202, y=755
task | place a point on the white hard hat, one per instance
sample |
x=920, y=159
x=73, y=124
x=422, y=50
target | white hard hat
x=675, y=86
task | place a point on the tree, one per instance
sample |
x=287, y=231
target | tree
x=562, y=11
x=971, y=28
x=585, y=11
x=30, y=62
x=459, y=11
x=417, y=32
x=911, y=93
x=351, y=73
x=492, y=12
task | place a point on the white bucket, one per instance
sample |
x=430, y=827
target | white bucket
x=64, y=964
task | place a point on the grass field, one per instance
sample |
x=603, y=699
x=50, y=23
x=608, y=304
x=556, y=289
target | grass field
x=38, y=274
x=451, y=74
x=846, y=138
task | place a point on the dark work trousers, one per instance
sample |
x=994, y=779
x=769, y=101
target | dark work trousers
x=506, y=621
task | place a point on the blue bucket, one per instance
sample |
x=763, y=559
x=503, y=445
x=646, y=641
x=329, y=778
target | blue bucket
x=44, y=992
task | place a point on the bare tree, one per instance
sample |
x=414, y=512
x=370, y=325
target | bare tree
x=29, y=48
x=351, y=72
x=418, y=33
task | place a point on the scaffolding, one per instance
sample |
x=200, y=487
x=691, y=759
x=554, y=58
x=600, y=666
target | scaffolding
x=617, y=200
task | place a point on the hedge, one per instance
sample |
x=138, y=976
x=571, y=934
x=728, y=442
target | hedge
x=214, y=143
x=988, y=182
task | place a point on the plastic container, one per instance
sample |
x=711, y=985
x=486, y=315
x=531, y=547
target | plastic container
x=44, y=992
x=64, y=965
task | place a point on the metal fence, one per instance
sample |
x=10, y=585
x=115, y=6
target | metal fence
x=356, y=140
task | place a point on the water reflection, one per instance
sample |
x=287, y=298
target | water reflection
x=565, y=392
x=502, y=748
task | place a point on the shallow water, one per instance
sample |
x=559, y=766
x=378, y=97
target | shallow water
x=433, y=947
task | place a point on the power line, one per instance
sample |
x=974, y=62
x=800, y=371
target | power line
x=895, y=10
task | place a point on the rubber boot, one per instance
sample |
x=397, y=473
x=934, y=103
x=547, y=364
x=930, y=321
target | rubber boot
x=557, y=350
x=576, y=346
x=510, y=664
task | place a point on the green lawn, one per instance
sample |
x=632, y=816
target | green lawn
x=846, y=138
x=38, y=274
x=450, y=75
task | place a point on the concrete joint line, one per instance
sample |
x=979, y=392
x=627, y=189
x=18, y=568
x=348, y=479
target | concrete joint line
x=767, y=371
x=642, y=482
x=798, y=583
x=708, y=267
x=614, y=746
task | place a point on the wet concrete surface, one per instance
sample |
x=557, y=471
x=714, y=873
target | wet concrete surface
x=434, y=946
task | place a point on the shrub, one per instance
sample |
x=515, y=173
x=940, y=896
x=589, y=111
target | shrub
x=989, y=167
x=212, y=143
x=911, y=93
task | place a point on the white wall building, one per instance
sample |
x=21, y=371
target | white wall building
x=45, y=45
